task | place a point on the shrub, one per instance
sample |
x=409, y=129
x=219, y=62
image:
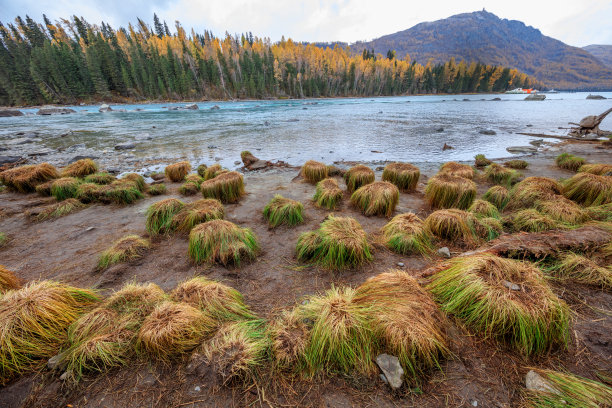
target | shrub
x=65, y=187
x=406, y=233
x=100, y=178
x=377, y=198
x=569, y=161
x=222, y=242
x=453, y=225
x=516, y=164
x=160, y=214
x=447, y=191
x=8, y=280
x=80, y=168
x=157, y=189
x=327, y=194
x=498, y=196
x=176, y=172
x=358, y=176
x=481, y=161
x=195, y=213
x=125, y=249
x=314, y=171
x=457, y=170
x=226, y=187
x=569, y=391
x=281, y=210
x=24, y=179
x=597, y=169
x=482, y=208
x=60, y=209
x=577, y=268
x=404, y=175
x=500, y=175
x=531, y=220
x=588, y=189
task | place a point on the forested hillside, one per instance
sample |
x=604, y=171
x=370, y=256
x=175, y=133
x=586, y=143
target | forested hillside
x=72, y=61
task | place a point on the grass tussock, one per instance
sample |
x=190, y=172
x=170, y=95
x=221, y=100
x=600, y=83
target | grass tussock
x=358, y=176
x=8, y=280
x=516, y=164
x=570, y=391
x=452, y=224
x=197, y=212
x=3, y=239
x=377, y=198
x=176, y=172
x=487, y=228
x=222, y=242
x=201, y=170
x=80, y=168
x=160, y=214
x=24, y=179
x=126, y=249
x=281, y=210
x=482, y=208
x=568, y=161
x=475, y=290
x=44, y=189
x=448, y=191
x=531, y=220
x=157, y=189
x=122, y=192
x=577, y=268
x=588, y=189
x=189, y=188
x=226, y=187
x=100, y=178
x=598, y=169
x=34, y=321
x=563, y=210
x=194, y=178
x=406, y=234
x=498, y=196
x=457, y=170
x=600, y=212
x=314, y=171
x=65, y=187
x=87, y=192
x=137, y=179
x=135, y=300
x=404, y=175
x=531, y=190
x=481, y=161
x=60, y=209
x=499, y=174
x=289, y=335
x=327, y=194
x=339, y=243
x=212, y=172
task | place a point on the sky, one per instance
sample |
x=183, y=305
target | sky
x=575, y=22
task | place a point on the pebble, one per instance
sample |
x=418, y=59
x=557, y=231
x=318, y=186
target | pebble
x=392, y=370
x=400, y=264
x=444, y=252
x=125, y=146
x=197, y=388
x=510, y=285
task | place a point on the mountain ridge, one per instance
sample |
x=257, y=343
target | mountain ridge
x=602, y=52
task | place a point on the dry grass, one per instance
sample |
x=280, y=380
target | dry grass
x=120, y=192
x=201, y=170
x=65, y=187
x=197, y=212
x=562, y=209
x=448, y=191
x=453, y=225
x=157, y=189
x=126, y=249
x=406, y=234
x=339, y=243
x=475, y=290
x=599, y=169
x=482, y=208
x=516, y=164
x=571, y=392
x=60, y=209
x=600, y=212
x=377, y=198
x=44, y=189
x=314, y=171
x=160, y=215
x=87, y=192
x=531, y=220
x=481, y=161
x=404, y=175
x=212, y=172
x=176, y=172
x=327, y=194
x=194, y=178
x=358, y=176
x=589, y=189
x=189, y=188
x=137, y=179
x=281, y=210
x=226, y=187
x=531, y=190
x=457, y=170
x=577, y=268
x=222, y=242
x=80, y=168
x=499, y=174
x=487, y=228
x=24, y=179
x=289, y=335
x=100, y=178
x=498, y=196
x=569, y=161
x=135, y=300
x=8, y=280
x=33, y=323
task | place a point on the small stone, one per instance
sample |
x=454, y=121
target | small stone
x=216, y=107
x=191, y=106
x=125, y=146
x=487, y=132
x=64, y=376
x=392, y=369
x=237, y=162
x=197, y=388
x=56, y=361
x=447, y=147
x=474, y=403
x=380, y=168
x=535, y=382
x=440, y=129
x=212, y=146
x=444, y=252
x=400, y=264
x=90, y=228
x=521, y=149
x=77, y=146
x=510, y=285
x=81, y=157
x=105, y=108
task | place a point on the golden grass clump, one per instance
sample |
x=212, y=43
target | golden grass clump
x=487, y=228
x=457, y=169
x=504, y=299
x=44, y=189
x=481, y=161
x=577, y=268
x=137, y=179
x=404, y=175
x=314, y=171
x=212, y=172
x=135, y=300
x=201, y=170
x=482, y=208
x=289, y=335
x=194, y=178
x=197, y=212
x=498, y=196
x=448, y=191
x=223, y=242
x=562, y=209
x=100, y=178
x=453, y=225
x=588, y=189
x=60, y=209
x=532, y=189
x=377, y=198
x=327, y=194
x=358, y=176
x=531, y=220
x=125, y=249
x=24, y=179
x=157, y=189
x=599, y=169
x=406, y=234
x=499, y=174
x=87, y=192
x=173, y=329
x=339, y=243
x=281, y=210
x=189, y=188
x=516, y=164
x=65, y=187
x=160, y=214
x=80, y=168
x=568, y=390
x=226, y=187
x=120, y=192
x=8, y=280
x=600, y=212
x=34, y=321
x=569, y=161
x=176, y=172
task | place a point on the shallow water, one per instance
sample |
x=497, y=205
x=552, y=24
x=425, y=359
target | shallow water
x=400, y=128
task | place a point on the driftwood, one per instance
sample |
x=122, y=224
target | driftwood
x=253, y=163
x=590, y=125
x=584, y=139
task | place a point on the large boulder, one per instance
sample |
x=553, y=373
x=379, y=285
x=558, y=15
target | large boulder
x=191, y=106
x=535, y=97
x=105, y=108
x=53, y=110
x=5, y=113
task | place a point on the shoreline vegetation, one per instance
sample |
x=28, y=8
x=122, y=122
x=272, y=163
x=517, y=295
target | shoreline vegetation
x=71, y=61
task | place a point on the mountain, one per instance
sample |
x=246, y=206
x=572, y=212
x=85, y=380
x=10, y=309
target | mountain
x=601, y=52
x=482, y=36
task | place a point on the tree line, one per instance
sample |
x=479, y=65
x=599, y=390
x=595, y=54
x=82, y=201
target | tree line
x=71, y=61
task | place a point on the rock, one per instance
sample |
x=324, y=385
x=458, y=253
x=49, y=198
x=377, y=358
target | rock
x=64, y=376
x=64, y=134
x=19, y=141
x=31, y=135
x=145, y=136
x=537, y=142
x=293, y=120
x=447, y=147
x=400, y=264
x=173, y=108
x=266, y=123
x=216, y=107
x=487, y=132
x=113, y=170
x=237, y=163
x=535, y=97
x=392, y=369
x=52, y=110
x=125, y=146
x=77, y=146
x=596, y=97
x=466, y=100
x=444, y=252
x=105, y=108
x=375, y=151
x=90, y=229
x=440, y=129
x=57, y=361
x=474, y=403
x=158, y=176
x=191, y=106
x=380, y=168
x=212, y=146
x=9, y=159
x=529, y=125
x=197, y=388
x=510, y=285
x=496, y=99
x=535, y=382
x=521, y=149
x=81, y=157
x=41, y=152
x=5, y=113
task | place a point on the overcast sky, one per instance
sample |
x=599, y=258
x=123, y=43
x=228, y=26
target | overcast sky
x=575, y=22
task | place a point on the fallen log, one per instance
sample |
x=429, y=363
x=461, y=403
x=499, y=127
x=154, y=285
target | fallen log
x=590, y=125
x=579, y=139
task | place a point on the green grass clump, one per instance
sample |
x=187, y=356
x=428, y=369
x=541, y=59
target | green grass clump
x=406, y=234
x=457, y=170
x=404, y=175
x=448, y=191
x=8, y=280
x=314, y=171
x=481, y=161
x=475, y=290
x=44, y=189
x=281, y=210
x=24, y=179
x=3, y=239
x=80, y=168
x=176, y=172
x=600, y=212
x=327, y=194
x=201, y=170
x=577, y=268
x=34, y=321
x=562, y=209
x=377, y=198
x=65, y=187
x=531, y=190
x=453, y=225
x=137, y=179
x=588, y=189
x=487, y=228
x=212, y=172
x=60, y=209
x=120, y=192
x=358, y=176
x=88, y=192
x=157, y=189
x=339, y=243
x=100, y=178
x=569, y=391
x=599, y=169
x=222, y=242
x=226, y=187
x=531, y=220
x=482, y=208
x=197, y=212
x=125, y=249
x=569, y=161
x=159, y=215
x=498, y=174
x=189, y=188
x=498, y=196
x=516, y=164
